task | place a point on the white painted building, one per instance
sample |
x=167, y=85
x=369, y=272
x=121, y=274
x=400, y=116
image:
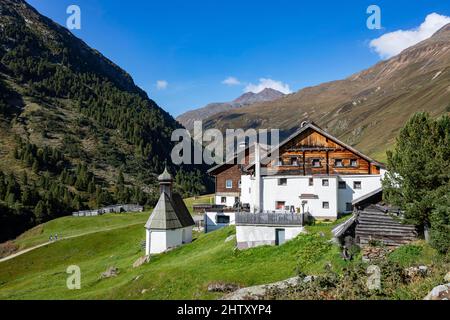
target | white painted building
x=170, y=224
x=311, y=174
x=217, y=220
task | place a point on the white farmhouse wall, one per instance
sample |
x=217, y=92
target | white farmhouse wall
x=254, y=236
x=296, y=186
x=229, y=203
x=368, y=184
x=211, y=223
x=247, y=183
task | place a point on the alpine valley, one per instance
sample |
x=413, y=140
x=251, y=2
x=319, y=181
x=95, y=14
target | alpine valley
x=75, y=131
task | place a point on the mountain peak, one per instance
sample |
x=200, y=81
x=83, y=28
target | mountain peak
x=266, y=95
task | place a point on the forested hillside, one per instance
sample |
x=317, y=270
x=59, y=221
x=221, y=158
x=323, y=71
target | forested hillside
x=75, y=131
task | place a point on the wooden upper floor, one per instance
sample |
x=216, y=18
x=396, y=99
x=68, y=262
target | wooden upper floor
x=310, y=151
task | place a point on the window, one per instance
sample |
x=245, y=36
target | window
x=311, y=182
x=223, y=219
x=280, y=205
x=342, y=185
x=357, y=185
x=223, y=200
x=229, y=184
x=279, y=162
x=294, y=162
x=282, y=182
x=237, y=200
x=240, y=184
x=325, y=205
x=348, y=207
x=325, y=183
x=316, y=163
x=338, y=163
x=354, y=163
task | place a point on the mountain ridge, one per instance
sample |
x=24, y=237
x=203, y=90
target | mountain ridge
x=75, y=131
x=187, y=119
x=375, y=102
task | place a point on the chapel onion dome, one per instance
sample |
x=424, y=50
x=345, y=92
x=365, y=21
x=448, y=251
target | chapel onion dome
x=165, y=176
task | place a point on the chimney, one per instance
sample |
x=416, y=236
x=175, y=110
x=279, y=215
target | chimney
x=257, y=205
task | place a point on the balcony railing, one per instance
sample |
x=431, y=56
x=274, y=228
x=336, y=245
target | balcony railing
x=270, y=219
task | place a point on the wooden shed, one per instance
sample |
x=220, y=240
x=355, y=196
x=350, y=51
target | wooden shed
x=375, y=222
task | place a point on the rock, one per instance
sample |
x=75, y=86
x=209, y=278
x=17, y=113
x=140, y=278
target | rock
x=144, y=291
x=258, y=292
x=230, y=238
x=141, y=261
x=423, y=270
x=414, y=272
x=111, y=272
x=222, y=287
x=441, y=292
x=138, y=277
x=309, y=279
x=447, y=277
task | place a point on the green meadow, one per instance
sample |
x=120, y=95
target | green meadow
x=184, y=273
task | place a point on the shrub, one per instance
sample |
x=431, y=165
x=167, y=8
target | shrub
x=7, y=249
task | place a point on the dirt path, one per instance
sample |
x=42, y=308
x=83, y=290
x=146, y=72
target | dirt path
x=15, y=255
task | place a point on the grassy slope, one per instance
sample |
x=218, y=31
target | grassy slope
x=181, y=274
x=70, y=226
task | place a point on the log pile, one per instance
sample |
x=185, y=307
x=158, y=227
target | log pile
x=378, y=226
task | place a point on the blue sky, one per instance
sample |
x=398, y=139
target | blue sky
x=191, y=47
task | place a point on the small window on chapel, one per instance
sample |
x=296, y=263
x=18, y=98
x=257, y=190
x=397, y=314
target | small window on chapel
x=229, y=184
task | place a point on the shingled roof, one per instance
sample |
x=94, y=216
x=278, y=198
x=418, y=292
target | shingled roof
x=169, y=214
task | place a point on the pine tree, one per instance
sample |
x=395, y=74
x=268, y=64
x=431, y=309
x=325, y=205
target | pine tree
x=418, y=177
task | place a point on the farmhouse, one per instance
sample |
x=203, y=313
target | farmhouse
x=310, y=175
x=170, y=224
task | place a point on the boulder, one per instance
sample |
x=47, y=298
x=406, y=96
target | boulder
x=441, y=292
x=258, y=292
x=141, y=261
x=110, y=272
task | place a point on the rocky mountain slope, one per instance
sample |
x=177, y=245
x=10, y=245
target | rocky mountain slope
x=75, y=131
x=368, y=108
x=187, y=119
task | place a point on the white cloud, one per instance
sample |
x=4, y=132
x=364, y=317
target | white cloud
x=162, y=84
x=268, y=83
x=392, y=43
x=231, y=81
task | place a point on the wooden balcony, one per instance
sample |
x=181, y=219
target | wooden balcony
x=270, y=219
